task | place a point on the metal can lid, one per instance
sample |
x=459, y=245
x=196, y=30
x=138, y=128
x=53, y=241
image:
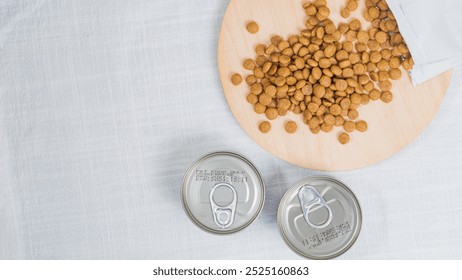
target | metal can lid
x=223, y=193
x=319, y=218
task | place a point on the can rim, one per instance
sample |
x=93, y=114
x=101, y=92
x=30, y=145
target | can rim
x=186, y=206
x=357, y=228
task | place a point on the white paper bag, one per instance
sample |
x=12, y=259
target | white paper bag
x=432, y=30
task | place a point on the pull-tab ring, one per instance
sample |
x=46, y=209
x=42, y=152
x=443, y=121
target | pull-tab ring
x=223, y=215
x=309, y=198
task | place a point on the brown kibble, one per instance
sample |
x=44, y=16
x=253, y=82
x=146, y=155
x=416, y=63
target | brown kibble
x=335, y=109
x=264, y=127
x=373, y=12
x=329, y=119
x=395, y=74
x=344, y=138
x=361, y=126
x=354, y=25
x=352, y=5
x=311, y=10
x=349, y=126
x=395, y=62
x=381, y=37
x=265, y=99
x=355, y=98
x=249, y=64
x=327, y=127
x=236, y=79
x=345, y=12
x=386, y=97
x=260, y=49
x=252, y=27
x=252, y=98
x=363, y=36
x=319, y=91
x=324, y=77
x=374, y=94
x=323, y=13
x=339, y=121
x=353, y=114
x=291, y=127
x=259, y=108
x=256, y=89
x=250, y=80
x=385, y=85
x=272, y=113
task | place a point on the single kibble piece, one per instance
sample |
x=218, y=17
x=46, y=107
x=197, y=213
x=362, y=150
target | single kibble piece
x=352, y=5
x=386, y=97
x=236, y=79
x=253, y=27
x=264, y=127
x=249, y=64
x=345, y=12
x=291, y=127
x=344, y=138
x=349, y=126
x=361, y=126
x=272, y=113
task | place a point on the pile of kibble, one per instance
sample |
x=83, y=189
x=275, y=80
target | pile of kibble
x=328, y=71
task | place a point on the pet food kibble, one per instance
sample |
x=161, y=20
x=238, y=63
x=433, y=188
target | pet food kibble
x=344, y=138
x=326, y=127
x=349, y=126
x=253, y=27
x=260, y=49
x=236, y=79
x=264, y=127
x=272, y=113
x=385, y=85
x=353, y=114
x=259, y=108
x=311, y=10
x=323, y=76
x=386, y=97
x=352, y=5
x=323, y=13
x=345, y=12
x=249, y=64
x=361, y=126
x=381, y=37
x=291, y=127
x=395, y=74
x=252, y=98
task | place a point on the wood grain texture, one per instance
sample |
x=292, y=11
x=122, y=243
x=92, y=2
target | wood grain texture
x=391, y=126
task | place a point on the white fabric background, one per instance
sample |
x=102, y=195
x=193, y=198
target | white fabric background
x=105, y=103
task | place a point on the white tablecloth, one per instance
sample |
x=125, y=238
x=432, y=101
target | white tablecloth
x=105, y=103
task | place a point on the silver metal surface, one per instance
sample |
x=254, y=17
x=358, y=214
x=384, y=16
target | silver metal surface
x=309, y=197
x=319, y=218
x=222, y=193
x=223, y=215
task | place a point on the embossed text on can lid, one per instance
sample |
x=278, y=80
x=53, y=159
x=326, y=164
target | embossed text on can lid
x=319, y=218
x=223, y=193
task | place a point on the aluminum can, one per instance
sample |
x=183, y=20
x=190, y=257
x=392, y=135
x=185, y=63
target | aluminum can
x=222, y=193
x=319, y=218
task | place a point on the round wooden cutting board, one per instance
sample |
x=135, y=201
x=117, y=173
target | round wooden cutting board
x=391, y=126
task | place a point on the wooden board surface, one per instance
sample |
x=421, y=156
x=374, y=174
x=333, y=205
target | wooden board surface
x=391, y=126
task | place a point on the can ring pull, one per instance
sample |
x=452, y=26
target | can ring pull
x=309, y=198
x=223, y=215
